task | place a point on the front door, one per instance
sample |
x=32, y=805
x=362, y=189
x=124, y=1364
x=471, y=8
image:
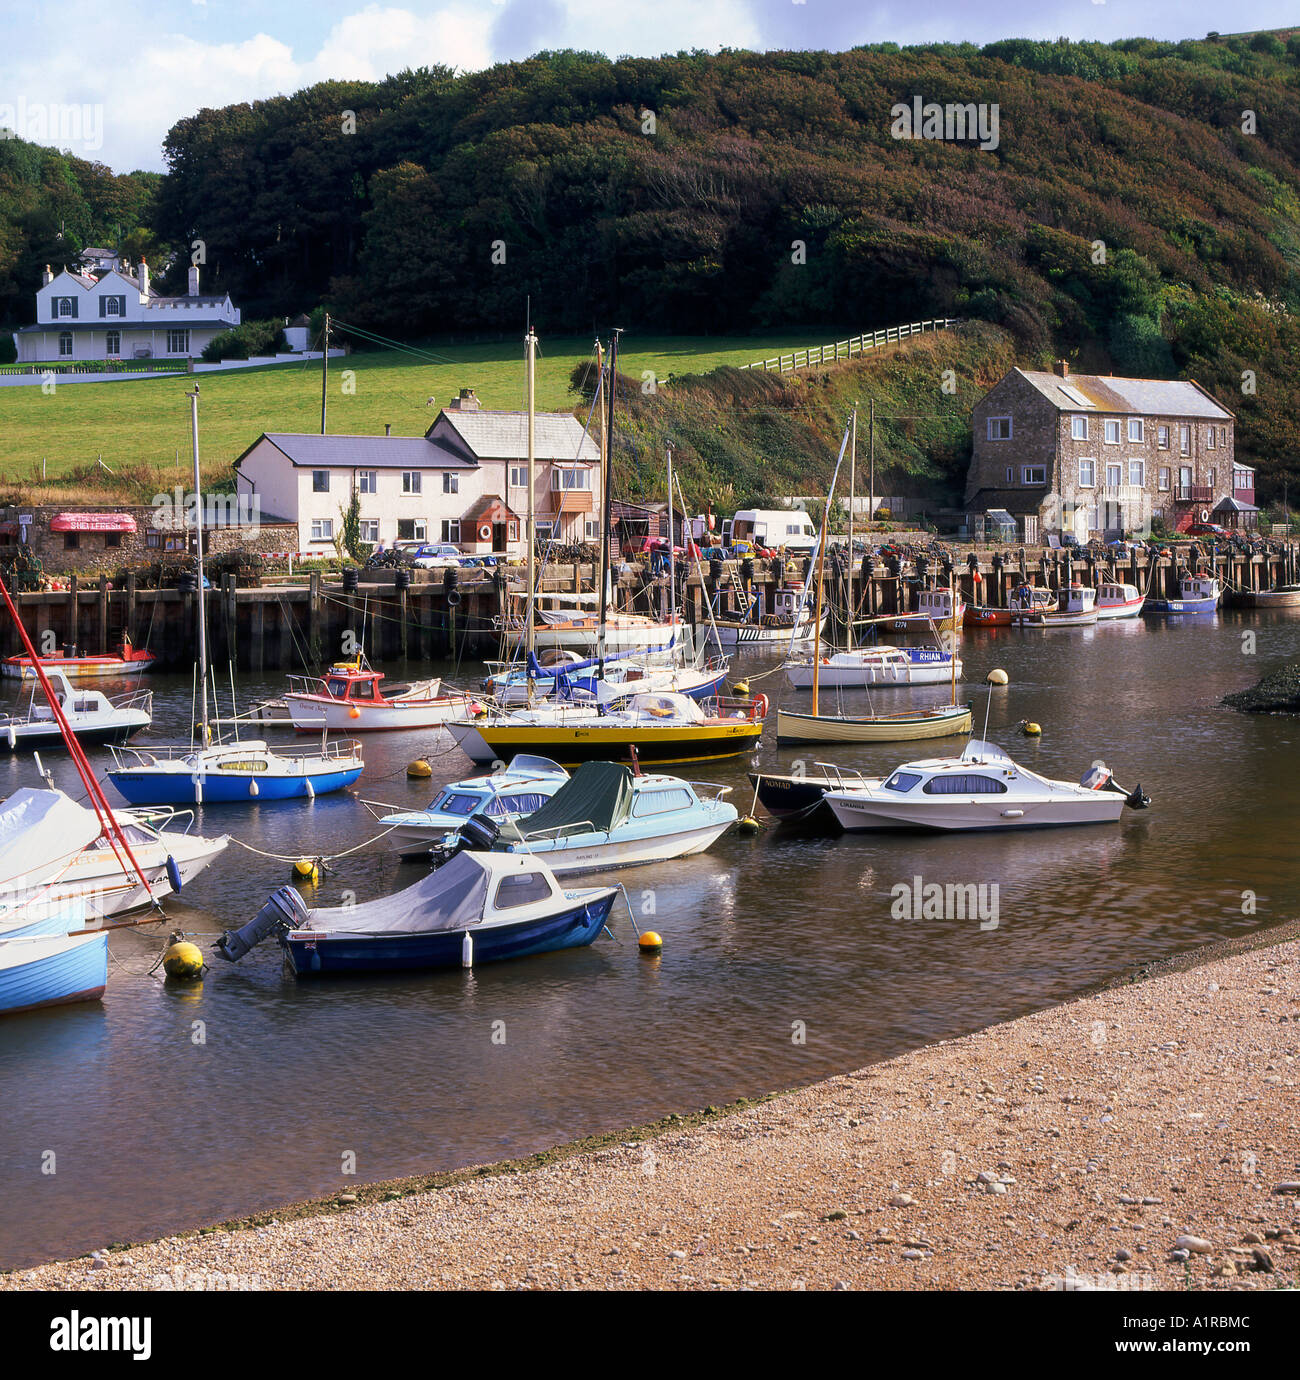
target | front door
x=498, y=537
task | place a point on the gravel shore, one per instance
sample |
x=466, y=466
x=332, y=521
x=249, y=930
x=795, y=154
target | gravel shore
x=1142, y=1138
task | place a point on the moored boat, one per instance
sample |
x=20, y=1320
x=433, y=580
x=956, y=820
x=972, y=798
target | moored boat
x=1118, y=601
x=52, y=970
x=942, y=721
x=1196, y=594
x=791, y=620
x=126, y=660
x=934, y=610
x=1078, y=610
x=986, y=616
x=1286, y=597
x=349, y=698
x=227, y=773
x=875, y=667
x=479, y=907
x=90, y=715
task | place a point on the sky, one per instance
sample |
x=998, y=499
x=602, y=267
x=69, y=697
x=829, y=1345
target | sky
x=107, y=80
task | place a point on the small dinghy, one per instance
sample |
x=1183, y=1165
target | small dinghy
x=125, y=661
x=479, y=908
x=90, y=714
x=52, y=970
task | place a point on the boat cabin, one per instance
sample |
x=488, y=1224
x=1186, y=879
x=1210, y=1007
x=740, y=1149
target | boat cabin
x=347, y=683
x=935, y=603
x=1079, y=599
x=982, y=769
x=1110, y=595
x=1198, y=587
x=1032, y=599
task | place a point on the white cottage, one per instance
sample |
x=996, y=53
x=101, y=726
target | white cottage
x=119, y=316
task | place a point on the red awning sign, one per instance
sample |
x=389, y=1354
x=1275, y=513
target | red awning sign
x=92, y=522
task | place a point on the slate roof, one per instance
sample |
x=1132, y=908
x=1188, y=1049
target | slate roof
x=1140, y=397
x=504, y=435
x=306, y=449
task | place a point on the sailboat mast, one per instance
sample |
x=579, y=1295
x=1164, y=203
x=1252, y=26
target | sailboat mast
x=198, y=567
x=853, y=475
x=602, y=565
x=605, y=486
x=817, y=615
x=530, y=344
x=952, y=638
x=672, y=550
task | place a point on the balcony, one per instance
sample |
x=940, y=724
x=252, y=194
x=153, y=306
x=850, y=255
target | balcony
x=1193, y=493
x=571, y=501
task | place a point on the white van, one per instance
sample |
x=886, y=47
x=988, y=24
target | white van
x=772, y=527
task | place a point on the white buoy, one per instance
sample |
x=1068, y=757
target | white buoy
x=198, y=791
x=13, y=738
x=252, y=788
x=467, y=951
x=311, y=790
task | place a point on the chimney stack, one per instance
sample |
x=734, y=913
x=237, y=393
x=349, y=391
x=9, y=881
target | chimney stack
x=47, y=277
x=388, y=428
x=144, y=280
x=1062, y=369
x=466, y=402
x=194, y=283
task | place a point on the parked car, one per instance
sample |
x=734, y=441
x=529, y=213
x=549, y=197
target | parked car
x=1208, y=529
x=442, y=553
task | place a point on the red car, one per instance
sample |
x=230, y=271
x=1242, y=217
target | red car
x=1207, y=529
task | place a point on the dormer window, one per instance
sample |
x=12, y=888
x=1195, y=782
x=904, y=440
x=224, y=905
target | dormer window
x=113, y=306
x=65, y=306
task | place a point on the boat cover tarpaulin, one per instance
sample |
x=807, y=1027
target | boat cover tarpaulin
x=40, y=831
x=452, y=898
x=598, y=796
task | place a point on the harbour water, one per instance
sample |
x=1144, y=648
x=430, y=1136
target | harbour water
x=165, y=1107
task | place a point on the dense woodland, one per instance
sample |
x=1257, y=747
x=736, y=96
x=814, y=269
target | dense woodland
x=387, y=200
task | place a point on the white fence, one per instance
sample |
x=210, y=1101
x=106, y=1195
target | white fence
x=846, y=349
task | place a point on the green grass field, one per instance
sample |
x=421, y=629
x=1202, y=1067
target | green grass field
x=141, y=428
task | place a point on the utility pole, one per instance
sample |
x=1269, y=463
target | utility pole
x=324, y=371
x=871, y=500
x=848, y=565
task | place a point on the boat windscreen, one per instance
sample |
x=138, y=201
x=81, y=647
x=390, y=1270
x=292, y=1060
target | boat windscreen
x=978, y=750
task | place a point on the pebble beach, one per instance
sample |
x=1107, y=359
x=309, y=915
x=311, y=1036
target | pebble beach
x=1145, y=1137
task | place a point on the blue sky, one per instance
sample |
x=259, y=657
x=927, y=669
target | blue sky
x=139, y=65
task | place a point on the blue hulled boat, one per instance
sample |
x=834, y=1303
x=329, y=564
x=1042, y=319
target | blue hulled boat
x=479, y=908
x=1196, y=594
x=49, y=970
x=232, y=772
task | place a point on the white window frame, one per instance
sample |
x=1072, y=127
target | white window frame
x=1114, y=474
x=1078, y=428
x=65, y=339
x=1136, y=430
x=1162, y=437
x=1138, y=467
x=581, y=479
x=64, y=305
x=593, y=529
x=994, y=428
x=368, y=481
x=450, y=482
x=322, y=529
x=1011, y=474
x=112, y=306
x=1027, y=473
x=1114, y=433
x=1211, y=476
x=369, y=529
x=1211, y=442
x=518, y=476
x=1091, y=481
x=1184, y=440
x=411, y=481
x=109, y=348
x=178, y=340
x=451, y=530
x=1164, y=478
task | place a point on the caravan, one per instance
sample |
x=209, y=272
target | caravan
x=772, y=528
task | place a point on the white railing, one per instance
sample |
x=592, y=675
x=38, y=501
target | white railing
x=845, y=349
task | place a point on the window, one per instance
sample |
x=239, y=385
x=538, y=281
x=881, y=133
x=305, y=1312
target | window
x=1087, y=474
x=570, y=479
x=322, y=529
x=112, y=306
x=178, y=342
x=1135, y=429
x=112, y=540
x=1079, y=428
x=1163, y=478
x=65, y=344
x=520, y=803
x=661, y=802
x=1184, y=440
x=1162, y=437
x=902, y=781
x=320, y=481
x=369, y=530
x=66, y=306
x=453, y=804
x=451, y=529
x=1211, y=476
x=518, y=476
x=1137, y=473
x=1211, y=438
x=964, y=785
x=999, y=428
x=412, y=529
x=593, y=530
x=1011, y=474
x=522, y=890
x=1033, y=474
x=410, y=481
x=1114, y=476
x=113, y=343
x=368, y=481
x=71, y=541
x=1112, y=431
x=451, y=483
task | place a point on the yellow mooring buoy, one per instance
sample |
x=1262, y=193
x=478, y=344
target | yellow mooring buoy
x=1031, y=730
x=741, y=687
x=650, y=942
x=997, y=677
x=419, y=769
x=306, y=870
x=181, y=959
x=747, y=825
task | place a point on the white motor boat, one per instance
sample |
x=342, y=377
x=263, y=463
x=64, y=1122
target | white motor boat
x=606, y=816
x=1077, y=608
x=91, y=715
x=875, y=666
x=1119, y=601
x=981, y=789
x=54, y=850
x=350, y=699
x=517, y=790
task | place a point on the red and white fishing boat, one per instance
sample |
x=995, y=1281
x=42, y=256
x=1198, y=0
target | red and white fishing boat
x=349, y=697
x=1119, y=601
x=125, y=660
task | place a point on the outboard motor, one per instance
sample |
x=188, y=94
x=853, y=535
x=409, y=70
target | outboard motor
x=284, y=911
x=1099, y=777
x=479, y=832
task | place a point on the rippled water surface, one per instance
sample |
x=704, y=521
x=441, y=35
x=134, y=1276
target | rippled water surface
x=152, y=1131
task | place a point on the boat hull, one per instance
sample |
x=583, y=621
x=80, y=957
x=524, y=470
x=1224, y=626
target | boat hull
x=977, y=616
x=867, y=673
x=880, y=728
x=858, y=812
x=602, y=854
x=571, y=746
x=1130, y=608
x=52, y=971
x=1183, y=605
x=77, y=668
x=312, y=713
x=142, y=787
x=795, y=799
x=318, y=953
x=1268, y=599
x=29, y=737
x=921, y=623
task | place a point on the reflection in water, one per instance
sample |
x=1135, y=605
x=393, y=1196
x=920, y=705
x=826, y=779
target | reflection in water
x=157, y=1122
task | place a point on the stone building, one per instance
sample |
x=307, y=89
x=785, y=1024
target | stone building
x=1087, y=455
